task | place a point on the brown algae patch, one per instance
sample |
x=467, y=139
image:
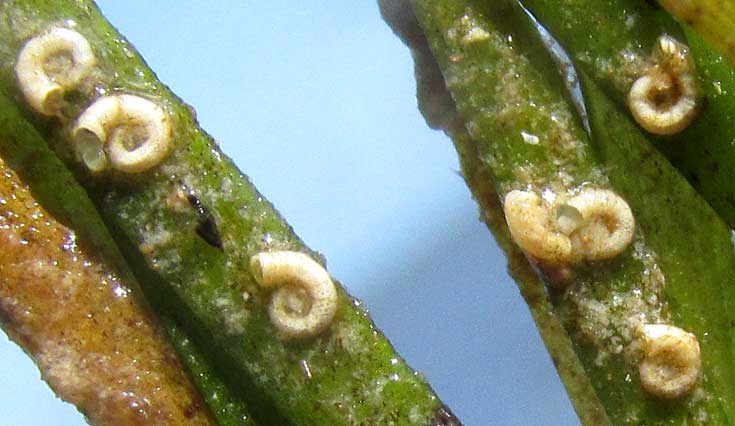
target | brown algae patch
x=95, y=346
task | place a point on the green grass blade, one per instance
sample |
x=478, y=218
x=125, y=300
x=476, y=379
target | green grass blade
x=438, y=108
x=227, y=407
x=348, y=375
x=558, y=343
x=611, y=42
x=504, y=93
x=692, y=242
x=55, y=188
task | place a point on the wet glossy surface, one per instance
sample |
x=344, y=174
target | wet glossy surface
x=91, y=340
x=362, y=179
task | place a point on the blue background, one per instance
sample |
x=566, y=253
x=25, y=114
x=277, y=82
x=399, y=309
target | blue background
x=316, y=103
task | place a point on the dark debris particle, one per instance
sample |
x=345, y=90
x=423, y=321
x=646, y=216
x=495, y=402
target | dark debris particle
x=445, y=417
x=191, y=410
x=654, y=4
x=206, y=227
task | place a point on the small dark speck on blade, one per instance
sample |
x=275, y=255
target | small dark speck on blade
x=206, y=227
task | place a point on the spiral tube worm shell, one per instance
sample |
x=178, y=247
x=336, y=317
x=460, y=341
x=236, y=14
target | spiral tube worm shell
x=530, y=223
x=594, y=224
x=606, y=226
x=304, y=301
x=664, y=100
x=50, y=64
x=134, y=132
x=672, y=362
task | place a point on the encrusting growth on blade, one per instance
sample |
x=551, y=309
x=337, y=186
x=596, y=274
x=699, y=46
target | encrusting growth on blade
x=304, y=301
x=669, y=263
x=530, y=223
x=301, y=350
x=135, y=132
x=664, y=100
x=606, y=226
x=51, y=64
x=594, y=224
x=672, y=363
